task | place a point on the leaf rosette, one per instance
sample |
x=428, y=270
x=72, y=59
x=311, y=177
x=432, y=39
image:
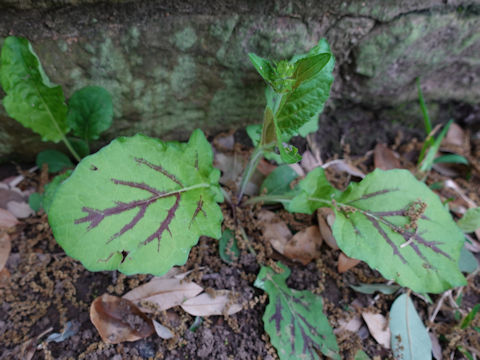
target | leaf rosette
x=139, y=205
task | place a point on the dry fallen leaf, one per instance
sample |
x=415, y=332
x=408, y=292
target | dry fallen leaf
x=385, y=158
x=310, y=161
x=20, y=209
x=352, y=325
x=265, y=168
x=7, y=220
x=344, y=166
x=207, y=305
x=455, y=136
x=5, y=247
x=326, y=218
x=7, y=194
x=304, y=246
x=274, y=230
x=163, y=292
x=378, y=326
x=436, y=348
x=118, y=320
x=162, y=331
x=345, y=263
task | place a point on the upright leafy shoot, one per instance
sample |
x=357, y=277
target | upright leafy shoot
x=294, y=319
x=138, y=205
x=410, y=340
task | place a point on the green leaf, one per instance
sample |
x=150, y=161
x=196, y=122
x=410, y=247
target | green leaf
x=375, y=222
x=313, y=192
x=52, y=187
x=139, y=205
x=90, y=112
x=373, y=288
x=427, y=163
x=410, y=340
x=361, y=355
x=263, y=67
x=470, y=220
x=294, y=319
x=31, y=98
x=278, y=181
x=470, y=317
x=451, y=158
x=80, y=146
x=227, y=246
x=468, y=262
x=312, y=89
x=35, y=201
x=56, y=160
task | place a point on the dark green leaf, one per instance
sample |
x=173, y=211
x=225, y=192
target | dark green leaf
x=451, y=158
x=278, y=181
x=56, y=160
x=51, y=189
x=228, y=246
x=410, y=340
x=80, y=146
x=263, y=67
x=139, y=204
x=35, y=201
x=470, y=220
x=294, y=319
x=90, y=112
x=373, y=288
x=470, y=317
x=31, y=98
x=399, y=226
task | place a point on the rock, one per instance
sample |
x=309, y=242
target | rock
x=175, y=66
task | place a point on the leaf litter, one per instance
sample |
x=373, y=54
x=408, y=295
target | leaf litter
x=34, y=251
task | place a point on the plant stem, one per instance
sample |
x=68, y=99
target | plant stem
x=249, y=170
x=71, y=149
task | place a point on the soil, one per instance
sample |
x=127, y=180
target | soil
x=44, y=289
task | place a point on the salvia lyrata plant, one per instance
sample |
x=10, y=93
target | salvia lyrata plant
x=139, y=204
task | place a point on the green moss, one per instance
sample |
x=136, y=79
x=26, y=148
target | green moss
x=185, y=39
x=183, y=75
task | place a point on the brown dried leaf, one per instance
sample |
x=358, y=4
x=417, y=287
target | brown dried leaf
x=326, y=218
x=304, y=246
x=310, y=161
x=163, y=292
x=20, y=209
x=265, y=168
x=455, y=136
x=378, y=326
x=4, y=277
x=207, y=305
x=343, y=166
x=118, y=320
x=345, y=263
x=7, y=220
x=274, y=230
x=385, y=158
x=352, y=325
x=5, y=247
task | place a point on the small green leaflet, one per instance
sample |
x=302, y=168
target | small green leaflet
x=429, y=159
x=56, y=160
x=373, y=288
x=138, y=205
x=31, y=98
x=468, y=262
x=470, y=317
x=470, y=220
x=227, y=246
x=294, y=319
x=35, y=201
x=90, y=112
x=278, y=181
x=410, y=340
x=374, y=224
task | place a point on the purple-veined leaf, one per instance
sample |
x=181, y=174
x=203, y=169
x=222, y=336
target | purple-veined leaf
x=294, y=319
x=138, y=205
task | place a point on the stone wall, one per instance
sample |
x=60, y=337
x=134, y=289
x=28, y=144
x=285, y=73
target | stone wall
x=173, y=66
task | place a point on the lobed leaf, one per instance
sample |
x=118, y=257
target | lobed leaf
x=399, y=226
x=90, y=112
x=410, y=339
x=138, y=205
x=31, y=98
x=294, y=320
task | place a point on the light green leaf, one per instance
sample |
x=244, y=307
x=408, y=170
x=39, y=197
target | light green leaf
x=35, y=201
x=294, y=319
x=410, y=340
x=373, y=288
x=90, y=112
x=313, y=192
x=31, y=98
x=428, y=162
x=278, y=181
x=227, y=246
x=56, y=160
x=398, y=226
x=470, y=220
x=138, y=205
x=468, y=262
x=52, y=187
